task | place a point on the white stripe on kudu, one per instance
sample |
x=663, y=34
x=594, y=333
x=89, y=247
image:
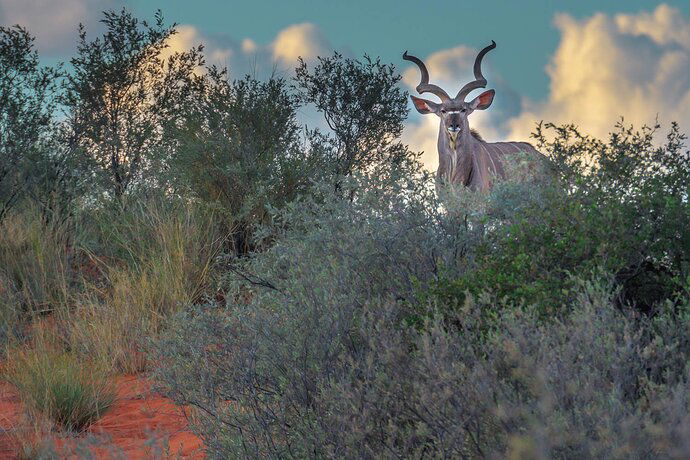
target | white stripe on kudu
x=464, y=157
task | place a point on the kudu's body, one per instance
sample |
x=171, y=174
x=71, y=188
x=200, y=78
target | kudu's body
x=464, y=157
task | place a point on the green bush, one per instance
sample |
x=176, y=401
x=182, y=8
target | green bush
x=625, y=210
x=239, y=151
x=239, y=148
x=348, y=381
x=364, y=107
x=119, y=95
x=27, y=112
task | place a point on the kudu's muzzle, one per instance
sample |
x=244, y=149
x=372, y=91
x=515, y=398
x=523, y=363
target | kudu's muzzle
x=454, y=127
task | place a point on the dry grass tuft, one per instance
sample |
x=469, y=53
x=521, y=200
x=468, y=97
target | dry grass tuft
x=60, y=386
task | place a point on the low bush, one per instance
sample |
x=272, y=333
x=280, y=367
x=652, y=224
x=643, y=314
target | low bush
x=351, y=382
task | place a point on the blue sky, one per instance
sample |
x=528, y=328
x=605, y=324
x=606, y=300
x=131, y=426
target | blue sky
x=524, y=30
x=584, y=61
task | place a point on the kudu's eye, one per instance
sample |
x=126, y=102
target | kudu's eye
x=443, y=110
x=463, y=110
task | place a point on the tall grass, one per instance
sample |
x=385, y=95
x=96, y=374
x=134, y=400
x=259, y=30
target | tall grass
x=36, y=272
x=9, y=314
x=35, y=261
x=158, y=258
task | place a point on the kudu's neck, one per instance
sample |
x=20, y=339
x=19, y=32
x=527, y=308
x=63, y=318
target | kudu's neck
x=456, y=158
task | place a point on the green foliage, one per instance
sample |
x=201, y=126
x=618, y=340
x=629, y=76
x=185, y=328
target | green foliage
x=239, y=150
x=60, y=386
x=328, y=251
x=27, y=102
x=362, y=105
x=367, y=317
x=348, y=381
x=121, y=92
x=353, y=335
x=619, y=206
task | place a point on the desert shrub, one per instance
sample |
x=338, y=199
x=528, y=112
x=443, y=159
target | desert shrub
x=620, y=205
x=332, y=259
x=591, y=385
x=340, y=251
x=389, y=324
x=362, y=105
x=384, y=240
x=120, y=92
x=349, y=381
x=528, y=257
x=70, y=392
x=239, y=150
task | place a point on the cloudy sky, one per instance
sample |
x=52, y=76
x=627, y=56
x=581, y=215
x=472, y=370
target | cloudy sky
x=587, y=62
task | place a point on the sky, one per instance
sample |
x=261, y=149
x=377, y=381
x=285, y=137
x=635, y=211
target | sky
x=587, y=61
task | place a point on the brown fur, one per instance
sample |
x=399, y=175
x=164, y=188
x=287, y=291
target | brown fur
x=464, y=156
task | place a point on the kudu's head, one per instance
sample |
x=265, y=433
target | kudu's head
x=453, y=111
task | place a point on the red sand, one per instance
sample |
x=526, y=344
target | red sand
x=137, y=417
x=10, y=417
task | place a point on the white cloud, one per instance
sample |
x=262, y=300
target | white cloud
x=299, y=40
x=631, y=65
x=54, y=23
x=421, y=136
x=605, y=67
x=249, y=46
x=246, y=56
x=665, y=25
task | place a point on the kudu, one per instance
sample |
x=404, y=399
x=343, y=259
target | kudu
x=464, y=157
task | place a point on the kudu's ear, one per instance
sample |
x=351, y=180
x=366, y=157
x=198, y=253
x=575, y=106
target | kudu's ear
x=423, y=106
x=483, y=101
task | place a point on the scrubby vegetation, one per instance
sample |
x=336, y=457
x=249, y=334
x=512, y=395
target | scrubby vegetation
x=547, y=318
x=308, y=293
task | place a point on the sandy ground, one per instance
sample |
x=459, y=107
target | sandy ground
x=141, y=424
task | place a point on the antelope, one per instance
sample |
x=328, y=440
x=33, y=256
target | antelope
x=464, y=157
